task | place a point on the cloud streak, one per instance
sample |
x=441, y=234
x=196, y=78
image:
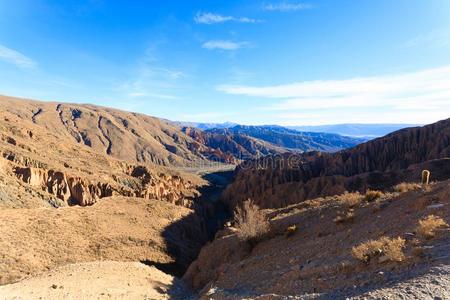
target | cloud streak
x=286, y=6
x=423, y=92
x=212, y=18
x=224, y=45
x=16, y=58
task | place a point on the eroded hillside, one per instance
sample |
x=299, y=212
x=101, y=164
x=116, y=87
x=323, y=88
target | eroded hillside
x=54, y=168
x=276, y=181
x=127, y=136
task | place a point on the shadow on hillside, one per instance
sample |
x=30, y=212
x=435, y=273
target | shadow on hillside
x=185, y=237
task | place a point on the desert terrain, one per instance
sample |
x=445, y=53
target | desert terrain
x=98, y=203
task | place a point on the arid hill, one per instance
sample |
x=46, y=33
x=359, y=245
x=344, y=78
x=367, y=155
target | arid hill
x=277, y=181
x=338, y=247
x=65, y=198
x=230, y=147
x=127, y=136
x=54, y=155
x=81, y=183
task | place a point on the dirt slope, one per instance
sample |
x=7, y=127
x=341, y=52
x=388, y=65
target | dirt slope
x=316, y=261
x=122, y=229
x=98, y=280
x=122, y=135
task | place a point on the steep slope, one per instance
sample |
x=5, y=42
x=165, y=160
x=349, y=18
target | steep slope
x=281, y=180
x=55, y=156
x=292, y=139
x=316, y=260
x=127, y=136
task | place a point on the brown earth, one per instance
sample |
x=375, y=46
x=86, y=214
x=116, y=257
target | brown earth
x=316, y=260
x=98, y=280
x=120, y=229
x=81, y=183
x=232, y=148
x=277, y=181
x=55, y=169
x=127, y=136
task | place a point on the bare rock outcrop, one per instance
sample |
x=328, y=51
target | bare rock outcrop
x=78, y=191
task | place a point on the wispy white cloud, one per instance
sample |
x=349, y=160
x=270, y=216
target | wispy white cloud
x=225, y=45
x=286, y=6
x=14, y=57
x=432, y=39
x=421, y=92
x=212, y=18
x=151, y=80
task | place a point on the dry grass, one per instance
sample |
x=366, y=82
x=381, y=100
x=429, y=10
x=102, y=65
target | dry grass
x=386, y=248
x=350, y=199
x=345, y=217
x=406, y=187
x=427, y=226
x=291, y=230
x=251, y=222
x=372, y=195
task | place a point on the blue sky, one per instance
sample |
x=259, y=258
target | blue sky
x=251, y=62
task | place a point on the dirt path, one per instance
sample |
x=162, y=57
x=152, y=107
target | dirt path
x=98, y=280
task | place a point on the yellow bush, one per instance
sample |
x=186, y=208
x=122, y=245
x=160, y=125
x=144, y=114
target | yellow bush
x=345, y=217
x=428, y=226
x=390, y=248
x=406, y=187
x=372, y=195
x=251, y=222
x=350, y=199
x=291, y=230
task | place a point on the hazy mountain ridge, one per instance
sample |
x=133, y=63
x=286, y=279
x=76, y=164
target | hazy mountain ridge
x=367, y=131
x=357, y=130
x=292, y=139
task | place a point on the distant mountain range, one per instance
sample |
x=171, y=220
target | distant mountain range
x=205, y=126
x=356, y=130
x=365, y=131
x=292, y=139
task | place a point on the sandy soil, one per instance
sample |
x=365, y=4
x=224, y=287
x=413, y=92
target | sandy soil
x=120, y=229
x=98, y=280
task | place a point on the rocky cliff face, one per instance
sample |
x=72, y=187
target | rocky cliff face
x=136, y=181
x=276, y=181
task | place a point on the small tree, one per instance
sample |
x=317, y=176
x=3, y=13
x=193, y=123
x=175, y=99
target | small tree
x=251, y=222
